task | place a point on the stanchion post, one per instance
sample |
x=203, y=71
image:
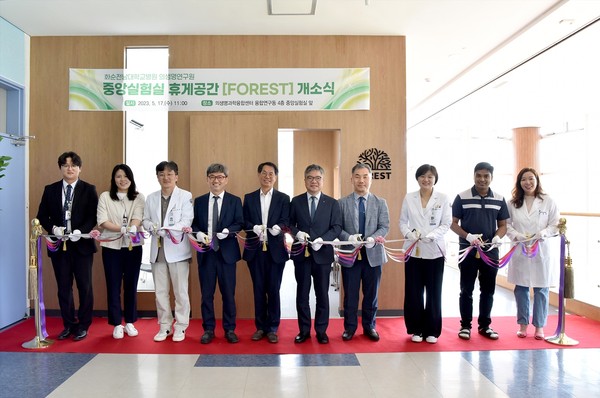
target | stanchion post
x=560, y=337
x=40, y=340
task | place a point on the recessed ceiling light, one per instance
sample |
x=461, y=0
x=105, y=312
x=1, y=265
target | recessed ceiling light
x=291, y=7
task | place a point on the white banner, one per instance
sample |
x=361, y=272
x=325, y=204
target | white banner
x=218, y=90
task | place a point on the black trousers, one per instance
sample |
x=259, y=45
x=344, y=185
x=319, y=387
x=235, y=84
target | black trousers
x=266, y=281
x=472, y=268
x=69, y=265
x=423, y=296
x=122, y=268
x=304, y=270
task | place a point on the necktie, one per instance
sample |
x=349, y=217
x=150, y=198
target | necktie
x=313, y=207
x=66, y=205
x=361, y=216
x=215, y=221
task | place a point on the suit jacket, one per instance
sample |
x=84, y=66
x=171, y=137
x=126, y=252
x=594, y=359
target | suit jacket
x=231, y=217
x=83, y=213
x=279, y=214
x=181, y=212
x=377, y=223
x=327, y=224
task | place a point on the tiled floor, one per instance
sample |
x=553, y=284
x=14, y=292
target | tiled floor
x=536, y=373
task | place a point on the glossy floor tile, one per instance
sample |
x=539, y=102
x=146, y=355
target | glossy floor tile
x=549, y=373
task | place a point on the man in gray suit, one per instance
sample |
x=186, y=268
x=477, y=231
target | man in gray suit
x=365, y=217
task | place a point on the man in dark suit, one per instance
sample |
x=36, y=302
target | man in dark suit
x=69, y=207
x=364, y=217
x=218, y=216
x=266, y=213
x=314, y=217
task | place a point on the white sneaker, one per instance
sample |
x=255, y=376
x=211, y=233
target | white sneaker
x=431, y=339
x=162, y=335
x=130, y=330
x=179, y=335
x=118, y=332
x=416, y=338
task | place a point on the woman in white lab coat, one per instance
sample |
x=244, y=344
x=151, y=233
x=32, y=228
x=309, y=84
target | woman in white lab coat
x=425, y=217
x=533, y=214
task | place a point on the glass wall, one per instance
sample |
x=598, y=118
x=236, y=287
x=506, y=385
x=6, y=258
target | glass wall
x=557, y=91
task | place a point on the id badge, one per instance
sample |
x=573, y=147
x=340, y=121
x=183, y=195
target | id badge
x=124, y=221
x=171, y=220
x=67, y=215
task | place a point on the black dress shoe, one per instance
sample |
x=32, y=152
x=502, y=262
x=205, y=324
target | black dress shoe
x=64, y=334
x=322, y=338
x=301, y=337
x=231, y=336
x=80, y=335
x=207, y=337
x=372, y=334
x=347, y=335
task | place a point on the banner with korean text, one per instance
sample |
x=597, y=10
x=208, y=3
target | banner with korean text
x=218, y=90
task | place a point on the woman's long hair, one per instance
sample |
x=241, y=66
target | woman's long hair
x=518, y=195
x=132, y=192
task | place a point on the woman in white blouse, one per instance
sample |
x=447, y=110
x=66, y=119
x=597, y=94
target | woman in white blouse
x=533, y=215
x=425, y=217
x=121, y=210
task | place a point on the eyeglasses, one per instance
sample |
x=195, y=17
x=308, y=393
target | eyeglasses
x=314, y=178
x=217, y=178
x=69, y=166
x=166, y=175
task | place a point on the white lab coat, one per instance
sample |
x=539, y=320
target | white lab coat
x=543, y=269
x=436, y=217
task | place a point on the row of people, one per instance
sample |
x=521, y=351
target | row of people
x=478, y=216
x=265, y=213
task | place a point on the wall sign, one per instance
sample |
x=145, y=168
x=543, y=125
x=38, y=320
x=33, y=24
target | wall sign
x=380, y=162
x=218, y=90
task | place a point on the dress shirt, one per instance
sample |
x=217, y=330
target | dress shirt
x=211, y=201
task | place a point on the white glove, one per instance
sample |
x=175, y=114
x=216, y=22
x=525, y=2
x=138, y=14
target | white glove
x=413, y=235
x=302, y=236
x=58, y=231
x=258, y=229
x=519, y=237
x=202, y=237
x=474, y=240
x=430, y=237
x=75, y=235
x=276, y=230
x=317, y=243
x=123, y=230
x=223, y=234
x=132, y=229
x=496, y=241
x=161, y=232
x=355, y=239
x=370, y=242
x=543, y=234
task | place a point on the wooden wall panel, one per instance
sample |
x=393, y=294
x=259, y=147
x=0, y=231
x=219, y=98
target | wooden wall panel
x=98, y=136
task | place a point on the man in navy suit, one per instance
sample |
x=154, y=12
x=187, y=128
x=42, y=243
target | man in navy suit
x=218, y=216
x=69, y=207
x=314, y=217
x=364, y=217
x=266, y=213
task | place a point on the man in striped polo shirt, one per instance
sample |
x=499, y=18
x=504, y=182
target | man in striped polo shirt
x=479, y=219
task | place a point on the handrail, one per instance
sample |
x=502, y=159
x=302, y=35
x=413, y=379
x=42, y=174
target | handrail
x=576, y=214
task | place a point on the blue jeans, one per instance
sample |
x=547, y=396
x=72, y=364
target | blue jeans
x=540, y=305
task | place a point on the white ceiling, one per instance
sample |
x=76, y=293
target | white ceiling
x=453, y=46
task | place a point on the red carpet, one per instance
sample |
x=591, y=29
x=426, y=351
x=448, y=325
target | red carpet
x=392, y=331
